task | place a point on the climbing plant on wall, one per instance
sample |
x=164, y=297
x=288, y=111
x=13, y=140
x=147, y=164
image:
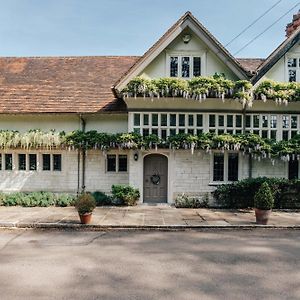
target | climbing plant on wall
x=247, y=143
x=201, y=88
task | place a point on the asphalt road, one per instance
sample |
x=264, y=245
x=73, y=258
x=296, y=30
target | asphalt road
x=259, y=264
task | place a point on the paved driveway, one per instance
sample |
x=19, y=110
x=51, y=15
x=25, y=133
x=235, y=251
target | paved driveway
x=260, y=264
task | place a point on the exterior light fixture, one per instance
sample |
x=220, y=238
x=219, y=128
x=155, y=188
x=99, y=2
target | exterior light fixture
x=186, y=38
x=136, y=156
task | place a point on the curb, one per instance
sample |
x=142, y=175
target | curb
x=66, y=226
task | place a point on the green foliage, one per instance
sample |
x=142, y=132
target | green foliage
x=185, y=201
x=281, y=92
x=197, y=88
x=85, y=203
x=41, y=199
x=64, y=200
x=241, y=194
x=101, y=198
x=263, y=198
x=216, y=86
x=127, y=194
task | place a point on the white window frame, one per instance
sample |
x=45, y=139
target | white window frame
x=191, y=55
x=297, y=68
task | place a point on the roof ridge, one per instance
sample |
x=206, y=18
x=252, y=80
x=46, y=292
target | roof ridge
x=66, y=57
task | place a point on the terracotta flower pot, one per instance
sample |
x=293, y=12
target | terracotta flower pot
x=262, y=216
x=85, y=218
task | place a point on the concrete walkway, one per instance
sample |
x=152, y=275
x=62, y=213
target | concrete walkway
x=142, y=216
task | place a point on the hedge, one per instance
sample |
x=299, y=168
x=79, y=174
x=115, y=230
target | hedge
x=241, y=194
x=42, y=199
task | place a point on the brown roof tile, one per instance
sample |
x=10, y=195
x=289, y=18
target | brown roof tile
x=61, y=84
x=250, y=64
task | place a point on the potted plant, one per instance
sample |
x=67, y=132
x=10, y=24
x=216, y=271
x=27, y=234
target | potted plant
x=85, y=204
x=263, y=203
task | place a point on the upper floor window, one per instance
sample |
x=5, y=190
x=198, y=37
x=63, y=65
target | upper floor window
x=185, y=66
x=293, y=66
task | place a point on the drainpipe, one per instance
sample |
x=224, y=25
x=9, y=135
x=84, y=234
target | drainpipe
x=83, y=124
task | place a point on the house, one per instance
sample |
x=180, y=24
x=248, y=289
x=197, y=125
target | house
x=85, y=94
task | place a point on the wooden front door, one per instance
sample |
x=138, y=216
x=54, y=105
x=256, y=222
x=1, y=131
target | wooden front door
x=155, y=178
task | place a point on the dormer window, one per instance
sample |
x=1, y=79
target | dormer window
x=293, y=66
x=185, y=66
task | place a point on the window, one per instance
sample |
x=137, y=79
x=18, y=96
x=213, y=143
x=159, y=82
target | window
x=111, y=163
x=154, y=119
x=56, y=162
x=164, y=120
x=46, y=162
x=293, y=67
x=32, y=162
x=8, y=162
x=293, y=169
x=185, y=66
x=225, y=167
x=173, y=66
x=218, y=167
x=22, y=162
x=212, y=120
x=136, y=119
x=196, y=66
x=116, y=162
x=181, y=120
x=233, y=166
x=122, y=163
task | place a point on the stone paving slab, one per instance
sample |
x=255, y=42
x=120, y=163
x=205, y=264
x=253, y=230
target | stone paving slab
x=158, y=216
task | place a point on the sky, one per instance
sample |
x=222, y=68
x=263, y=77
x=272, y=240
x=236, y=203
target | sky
x=130, y=27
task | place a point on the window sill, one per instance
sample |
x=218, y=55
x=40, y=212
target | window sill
x=217, y=183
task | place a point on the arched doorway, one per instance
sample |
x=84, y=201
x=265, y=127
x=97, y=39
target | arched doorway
x=155, y=178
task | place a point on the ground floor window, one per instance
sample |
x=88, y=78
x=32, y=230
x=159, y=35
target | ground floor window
x=225, y=167
x=293, y=169
x=116, y=163
x=30, y=161
x=8, y=162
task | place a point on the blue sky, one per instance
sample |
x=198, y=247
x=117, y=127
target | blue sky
x=130, y=27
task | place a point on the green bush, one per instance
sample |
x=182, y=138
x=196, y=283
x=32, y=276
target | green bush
x=263, y=198
x=13, y=199
x=64, y=200
x=41, y=199
x=85, y=203
x=101, y=198
x=241, y=194
x=125, y=194
x=185, y=201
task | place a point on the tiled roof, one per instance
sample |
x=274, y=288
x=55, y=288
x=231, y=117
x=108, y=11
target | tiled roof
x=61, y=84
x=250, y=64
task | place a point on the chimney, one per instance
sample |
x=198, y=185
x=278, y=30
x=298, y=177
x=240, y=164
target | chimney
x=291, y=27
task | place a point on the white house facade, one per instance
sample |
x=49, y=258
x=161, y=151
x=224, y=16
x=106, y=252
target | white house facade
x=86, y=94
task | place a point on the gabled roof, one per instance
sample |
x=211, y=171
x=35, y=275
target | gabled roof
x=276, y=55
x=61, y=84
x=187, y=20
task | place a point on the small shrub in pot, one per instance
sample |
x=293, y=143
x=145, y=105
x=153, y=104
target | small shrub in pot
x=85, y=204
x=263, y=203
